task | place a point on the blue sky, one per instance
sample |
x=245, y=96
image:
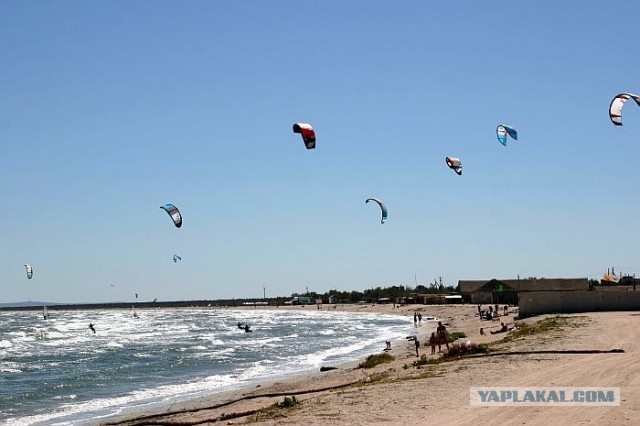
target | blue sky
x=109, y=110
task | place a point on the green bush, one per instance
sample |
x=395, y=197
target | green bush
x=548, y=324
x=458, y=350
x=375, y=359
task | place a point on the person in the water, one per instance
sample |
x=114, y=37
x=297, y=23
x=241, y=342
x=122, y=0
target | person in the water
x=245, y=327
x=91, y=327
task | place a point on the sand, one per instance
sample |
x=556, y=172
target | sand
x=401, y=393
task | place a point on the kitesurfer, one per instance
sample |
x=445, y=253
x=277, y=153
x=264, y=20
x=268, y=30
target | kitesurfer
x=91, y=327
x=245, y=327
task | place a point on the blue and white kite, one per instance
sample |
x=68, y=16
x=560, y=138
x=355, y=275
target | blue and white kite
x=382, y=207
x=174, y=213
x=503, y=130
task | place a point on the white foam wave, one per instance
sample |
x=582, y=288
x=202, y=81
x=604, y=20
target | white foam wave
x=71, y=414
x=189, y=345
x=199, y=348
x=5, y=369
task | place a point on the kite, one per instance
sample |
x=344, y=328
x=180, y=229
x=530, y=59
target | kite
x=176, y=258
x=308, y=134
x=454, y=164
x=29, y=270
x=504, y=130
x=615, y=109
x=382, y=207
x=174, y=213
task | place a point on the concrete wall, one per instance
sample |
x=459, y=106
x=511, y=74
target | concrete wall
x=549, y=302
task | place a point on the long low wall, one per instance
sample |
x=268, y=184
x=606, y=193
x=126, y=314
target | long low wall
x=550, y=302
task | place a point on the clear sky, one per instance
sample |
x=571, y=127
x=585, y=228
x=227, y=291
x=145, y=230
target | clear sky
x=109, y=110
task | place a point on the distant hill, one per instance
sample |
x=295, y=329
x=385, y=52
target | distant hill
x=25, y=304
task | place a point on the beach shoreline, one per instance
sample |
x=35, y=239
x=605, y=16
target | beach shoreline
x=400, y=391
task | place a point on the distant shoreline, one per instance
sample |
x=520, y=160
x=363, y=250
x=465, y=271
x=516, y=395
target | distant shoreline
x=226, y=303
x=30, y=306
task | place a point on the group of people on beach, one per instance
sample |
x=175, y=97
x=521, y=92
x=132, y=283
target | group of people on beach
x=417, y=319
x=438, y=337
x=492, y=313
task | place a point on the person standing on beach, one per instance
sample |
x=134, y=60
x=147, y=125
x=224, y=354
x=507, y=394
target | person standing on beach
x=415, y=319
x=432, y=341
x=419, y=318
x=442, y=336
x=417, y=342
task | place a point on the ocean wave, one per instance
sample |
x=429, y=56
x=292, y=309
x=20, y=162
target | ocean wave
x=170, y=355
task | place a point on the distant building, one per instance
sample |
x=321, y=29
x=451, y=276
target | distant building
x=630, y=280
x=431, y=299
x=453, y=298
x=333, y=299
x=302, y=300
x=625, y=283
x=437, y=298
x=508, y=291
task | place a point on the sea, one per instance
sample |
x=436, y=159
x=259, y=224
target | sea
x=58, y=371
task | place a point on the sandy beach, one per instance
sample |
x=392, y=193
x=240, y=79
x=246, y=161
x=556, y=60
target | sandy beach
x=402, y=392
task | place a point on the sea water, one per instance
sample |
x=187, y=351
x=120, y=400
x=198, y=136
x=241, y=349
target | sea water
x=58, y=371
